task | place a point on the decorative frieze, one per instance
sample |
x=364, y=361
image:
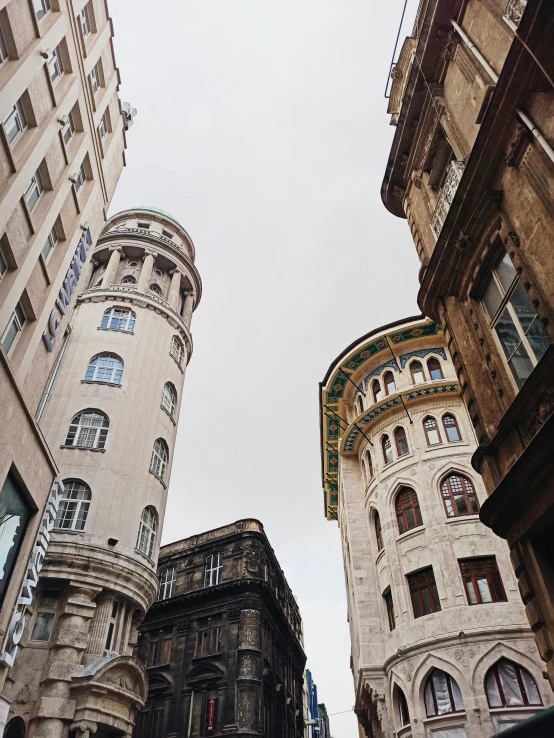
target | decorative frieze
x=513, y=12
x=446, y=197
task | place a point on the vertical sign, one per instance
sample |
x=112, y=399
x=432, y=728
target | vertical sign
x=210, y=713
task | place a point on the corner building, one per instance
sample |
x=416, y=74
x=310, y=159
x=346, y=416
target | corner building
x=440, y=641
x=62, y=149
x=223, y=645
x=110, y=418
x=471, y=168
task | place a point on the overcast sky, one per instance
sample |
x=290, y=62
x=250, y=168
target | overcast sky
x=262, y=128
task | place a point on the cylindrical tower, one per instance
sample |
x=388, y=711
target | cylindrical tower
x=111, y=419
x=440, y=644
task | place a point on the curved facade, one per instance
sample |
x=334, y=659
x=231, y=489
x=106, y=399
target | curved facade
x=437, y=624
x=111, y=419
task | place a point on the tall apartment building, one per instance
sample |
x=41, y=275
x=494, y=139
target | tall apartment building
x=110, y=418
x=441, y=647
x=472, y=170
x=223, y=644
x=61, y=154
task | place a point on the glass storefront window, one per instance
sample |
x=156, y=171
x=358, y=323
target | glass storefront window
x=14, y=516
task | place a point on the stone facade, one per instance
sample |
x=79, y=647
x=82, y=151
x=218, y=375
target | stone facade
x=472, y=170
x=110, y=419
x=61, y=155
x=432, y=598
x=223, y=645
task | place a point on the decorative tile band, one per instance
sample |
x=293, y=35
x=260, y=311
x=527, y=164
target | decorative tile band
x=391, y=364
x=429, y=391
x=421, y=353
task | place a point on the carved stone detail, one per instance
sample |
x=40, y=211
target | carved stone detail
x=249, y=632
x=516, y=145
x=544, y=409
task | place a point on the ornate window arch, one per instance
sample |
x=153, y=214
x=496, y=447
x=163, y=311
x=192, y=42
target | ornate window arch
x=167, y=583
x=401, y=441
x=169, y=398
x=403, y=712
x=147, y=531
x=119, y=319
x=74, y=505
x=416, y=370
x=434, y=368
x=376, y=390
x=88, y=429
x=432, y=433
x=387, y=449
x=378, y=531
x=508, y=684
x=105, y=367
x=156, y=289
x=451, y=428
x=442, y=694
x=459, y=496
x=128, y=279
x=390, y=384
x=159, y=458
x=407, y=509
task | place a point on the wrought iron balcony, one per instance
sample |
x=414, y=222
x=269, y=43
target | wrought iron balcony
x=513, y=12
x=448, y=190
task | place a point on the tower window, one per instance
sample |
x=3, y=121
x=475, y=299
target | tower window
x=169, y=398
x=442, y=694
x=508, y=684
x=482, y=580
x=431, y=431
x=147, y=531
x=401, y=442
x=435, y=369
x=424, y=593
x=105, y=368
x=73, y=509
x=378, y=532
x=459, y=496
x=88, y=429
x=407, y=509
x=416, y=370
x=117, y=319
x=214, y=570
x=387, y=449
x=451, y=428
x=390, y=385
x=177, y=350
x=158, y=461
x=376, y=390
x=387, y=596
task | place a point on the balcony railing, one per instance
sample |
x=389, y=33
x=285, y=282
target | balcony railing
x=446, y=196
x=513, y=12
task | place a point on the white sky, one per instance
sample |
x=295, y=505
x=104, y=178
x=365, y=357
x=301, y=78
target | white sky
x=262, y=128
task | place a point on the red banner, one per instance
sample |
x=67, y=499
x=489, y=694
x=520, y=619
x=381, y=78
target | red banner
x=210, y=713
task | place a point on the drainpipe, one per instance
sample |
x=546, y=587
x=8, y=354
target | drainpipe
x=535, y=130
x=46, y=394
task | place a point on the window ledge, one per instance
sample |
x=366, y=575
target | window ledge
x=170, y=416
x=71, y=531
x=118, y=330
x=450, y=720
x=160, y=480
x=461, y=519
x=207, y=656
x=144, y=556
x=84, y=448
x=410, y=533
x=94, y=381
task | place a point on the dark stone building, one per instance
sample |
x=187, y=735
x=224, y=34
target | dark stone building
x=223, y=644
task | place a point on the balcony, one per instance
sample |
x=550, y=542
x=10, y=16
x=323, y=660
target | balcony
x=446, y=197
x=513, y=12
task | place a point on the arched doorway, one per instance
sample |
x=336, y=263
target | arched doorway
x=15, y=728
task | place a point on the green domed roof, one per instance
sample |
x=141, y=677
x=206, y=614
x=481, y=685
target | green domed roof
x=152, y=209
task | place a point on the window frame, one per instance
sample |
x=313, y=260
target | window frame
x=80, y=512
x=386, y=446
x=55, y=63
x=4, y=53
x=80, y=178
x=167, y=585
x=51, y=242
x=109, y=318
x=49, y=610
x=100, y=431
x=451, y=425
x=100, y=365
x=208, y=636
x=213, y=571
x=426, y=430
x=147, y=532
x=437, y=365
x=389, y=607
x=128, y=279
x=103, y=128
x=368, y=466
x=429, y=682
x=95, y=78
x=400, y=438
x=376, y=391
x=378, y=531
x=401, y=506
x=159, y=463
x=496, y=588
x=413, y=371
x=19, y=320
x=403, y=709
x=69, y=125
x=84, y=20
x=170, y=392
x=387, y=385
x=17, y=116
x=36, y=184
x=41, y=8
x=176, y=342
x=521, y=684
x=448, y=494
x=415, y=589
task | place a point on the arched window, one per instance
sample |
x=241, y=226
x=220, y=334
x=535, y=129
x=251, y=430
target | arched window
x=401, y=442
x=177, y=350
x=15, y=728
x=128, y=279
x=160, y=455
x=451, y=427
x=117, y=319
x=387, y=449
x=147, y=531
x=431, y=431
x=408, y=513
x=404, y=713
x=105, y=368
x=376, y=390
x=368, y=466
x=88, y=429
x=378, y=531
x=390, y=386
x=416, y=369
x=167, y=583
x=442, y=694
x=155, y=288
x=73, y=510
x=213, y=571
x=435, y=369
x=359, y=404
x=508, y=684
x=169, y=398
x=459, y=496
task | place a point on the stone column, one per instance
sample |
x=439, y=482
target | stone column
x=248, y=705
x=174, y=290
x=188, y=304
x=86, y=274
x=84, y=728
x=146, y=271
x=110, y=274
x=56, y=709
x=99, y=628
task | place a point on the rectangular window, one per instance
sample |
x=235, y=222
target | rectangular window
x=15, y=123
x=167, y=234
x=41, y=7
x=3, y=265
x=55, y=65
x=45, y=617
x=49, y=246
x=110, y=638
x=34, y=190
x=387, y=596
x=423, y=590
x=85, y=21
x=159, y=647
x=482, y=580
x=143, y=225
x=69, y=129
x=3, y=48
x=514, y=320
x=13, y=524
x=80, y=177
x=214, y=569
x=95, y=78
x=103, y=127
x=208, y=638
x=13, y=329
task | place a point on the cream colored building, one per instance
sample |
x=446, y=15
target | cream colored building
x=441, y=647
x=110, y=419
x=62, y=141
